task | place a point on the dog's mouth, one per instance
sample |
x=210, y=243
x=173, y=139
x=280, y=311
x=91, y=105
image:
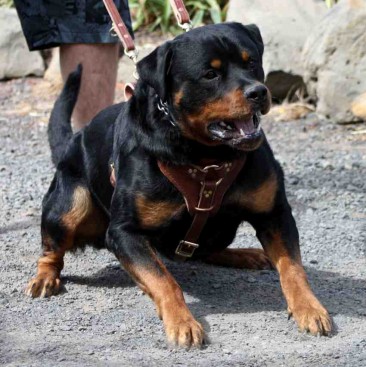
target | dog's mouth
x=237, y=131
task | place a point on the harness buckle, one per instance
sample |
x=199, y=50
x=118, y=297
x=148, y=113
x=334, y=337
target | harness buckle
x=186, y=248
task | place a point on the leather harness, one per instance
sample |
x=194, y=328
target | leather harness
x=203, y=189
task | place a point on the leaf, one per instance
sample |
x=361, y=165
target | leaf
x=215, y=15
x=198, y=17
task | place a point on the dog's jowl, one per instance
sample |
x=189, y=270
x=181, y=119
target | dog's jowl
x=174, y=171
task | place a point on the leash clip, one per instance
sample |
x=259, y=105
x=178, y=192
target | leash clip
x=133, y=55
x=186, y=26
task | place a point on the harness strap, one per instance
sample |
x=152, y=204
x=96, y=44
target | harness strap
x=203, y=190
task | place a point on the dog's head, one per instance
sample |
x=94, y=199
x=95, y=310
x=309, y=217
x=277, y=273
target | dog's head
x=212, y=80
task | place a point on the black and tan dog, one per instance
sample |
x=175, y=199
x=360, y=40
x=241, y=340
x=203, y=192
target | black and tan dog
x=198, y=102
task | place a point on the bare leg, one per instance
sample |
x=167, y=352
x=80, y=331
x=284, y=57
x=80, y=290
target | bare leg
x=100, y=62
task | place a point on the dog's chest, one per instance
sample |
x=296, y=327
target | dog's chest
x=153, y=214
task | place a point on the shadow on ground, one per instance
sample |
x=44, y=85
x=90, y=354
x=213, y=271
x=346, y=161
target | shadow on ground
x=221, y=290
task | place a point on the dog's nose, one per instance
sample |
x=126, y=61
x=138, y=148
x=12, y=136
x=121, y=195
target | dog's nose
x=257, y=93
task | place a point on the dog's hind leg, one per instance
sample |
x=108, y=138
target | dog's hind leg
x=240, y=258
x=67, y=209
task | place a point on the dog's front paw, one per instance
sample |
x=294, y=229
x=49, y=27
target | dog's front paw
x=185, y=332
x=43, y=286
x=313, y=318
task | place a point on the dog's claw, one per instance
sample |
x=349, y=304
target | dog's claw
x=43, y=286
x=186, y=334
x=314, y=319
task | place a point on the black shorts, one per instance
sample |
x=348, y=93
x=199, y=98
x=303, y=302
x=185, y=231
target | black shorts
x=50, y=23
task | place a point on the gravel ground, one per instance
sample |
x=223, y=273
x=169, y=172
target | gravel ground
x=104, y=319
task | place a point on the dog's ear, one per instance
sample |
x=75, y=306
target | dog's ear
x=256, y=36
x=154, y=69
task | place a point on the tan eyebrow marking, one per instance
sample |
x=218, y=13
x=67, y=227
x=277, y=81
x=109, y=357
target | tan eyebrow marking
x=216, y=63
x=245, y=56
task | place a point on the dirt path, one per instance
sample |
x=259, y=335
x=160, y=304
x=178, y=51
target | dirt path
x=104, y=320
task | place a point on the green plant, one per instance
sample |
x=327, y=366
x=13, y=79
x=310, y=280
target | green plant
x=155, y=14
x=6, y=3
x=151, y=14
x=208, y=10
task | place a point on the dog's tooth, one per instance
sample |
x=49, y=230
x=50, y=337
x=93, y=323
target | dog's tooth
x=229, y=127
x=222, y=124
x=242, y=132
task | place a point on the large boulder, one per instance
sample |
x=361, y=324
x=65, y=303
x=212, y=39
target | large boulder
x=15, y=59
x=335, y=62
x=285, y=26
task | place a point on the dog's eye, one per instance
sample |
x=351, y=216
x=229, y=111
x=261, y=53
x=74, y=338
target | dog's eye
x=252, y=64
x=211, y=74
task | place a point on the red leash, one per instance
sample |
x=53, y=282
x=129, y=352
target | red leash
x=130, y=50
x=123, y=34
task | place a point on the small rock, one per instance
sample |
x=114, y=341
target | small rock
x=358, y=106
x=309, y=211
x=251, y=279
x=293, y=180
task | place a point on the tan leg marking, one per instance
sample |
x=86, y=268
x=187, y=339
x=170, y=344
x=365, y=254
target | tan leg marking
x=47, y=282
x=308, y=312
x=49, y=266
x=180, y=326
x=259, y=200
x=155, y=213
x=240, y=258
x=82, y=206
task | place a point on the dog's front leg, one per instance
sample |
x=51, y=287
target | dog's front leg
x=151, y=275
x=279, y=237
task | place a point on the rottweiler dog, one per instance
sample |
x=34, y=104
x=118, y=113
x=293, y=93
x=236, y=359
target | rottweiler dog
x=198, y=102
